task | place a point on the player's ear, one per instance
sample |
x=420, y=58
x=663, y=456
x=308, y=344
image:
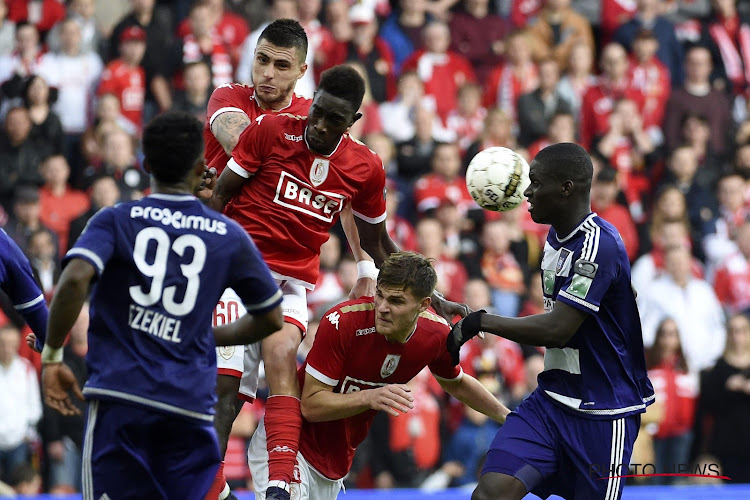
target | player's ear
x=357, y=116
x=568, y=187
x=302, y=71
x=425, y=304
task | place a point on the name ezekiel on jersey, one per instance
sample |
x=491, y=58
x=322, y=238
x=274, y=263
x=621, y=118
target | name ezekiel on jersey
x=154, y=323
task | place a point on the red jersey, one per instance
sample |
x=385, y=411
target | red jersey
x=239, y=98
x=732, y=283
x=232, y=29
x=443, y=75
x=523, y=10
x=505, y=86
x=128, y=84
x=597, y=105
x=295, y=195
x=652, y=79
x=677, y=391
x=614, y=13
x=351, y=356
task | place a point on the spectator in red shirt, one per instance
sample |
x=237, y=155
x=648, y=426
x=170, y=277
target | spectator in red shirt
x=479, y=36
x=627, y=147
x=516, y=76
x=442, y=71
x=46, y=14
x=203, y=43
x=599, y=100
x=649, y=75
x=501, y=269
x=604, y=192
x=676, y=392
x=370, y=50
x=523, y=10
x=58, y=202
x=231, y=28
x=451, y=274
x=399, y=229
x=729, y=37
x=467, y=120
x=613, y=14
x=443, y=182
x=125, y=78
x=732, y=278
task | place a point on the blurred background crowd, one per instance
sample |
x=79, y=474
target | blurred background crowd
x=657, y=90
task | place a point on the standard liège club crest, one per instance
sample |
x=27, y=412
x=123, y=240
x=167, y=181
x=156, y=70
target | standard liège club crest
x=389, y=365
x=319, y=171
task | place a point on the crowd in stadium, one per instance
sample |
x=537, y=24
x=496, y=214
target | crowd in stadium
x=658, y=92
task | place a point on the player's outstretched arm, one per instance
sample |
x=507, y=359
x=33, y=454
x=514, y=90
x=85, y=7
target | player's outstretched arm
x=71, y=293
x=227, y=186
x=552, y=329
x=249, y=328
x=321, y=404
x=227, y=128
x=472, y=393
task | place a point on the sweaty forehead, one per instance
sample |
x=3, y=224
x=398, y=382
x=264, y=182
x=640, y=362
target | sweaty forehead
x=274, y=52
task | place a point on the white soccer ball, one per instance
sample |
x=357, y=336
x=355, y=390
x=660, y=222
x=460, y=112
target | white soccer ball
x=496, y=179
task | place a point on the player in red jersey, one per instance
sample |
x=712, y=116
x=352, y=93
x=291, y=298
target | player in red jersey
x=364, y=353
x=279, y=63
x=292, y=176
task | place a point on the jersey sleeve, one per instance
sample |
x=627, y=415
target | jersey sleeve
x=369, y=203
x=442, y=367
x=594, y=270
x=17, y=280
x=252, y=280
x=325, y=361
x=253, y=146
x=97, y=241
x=224, y=99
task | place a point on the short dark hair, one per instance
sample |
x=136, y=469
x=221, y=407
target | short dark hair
x=567, y=161
x=345, y=83
x=286, y=33
x=410, y=271
x=172, y=144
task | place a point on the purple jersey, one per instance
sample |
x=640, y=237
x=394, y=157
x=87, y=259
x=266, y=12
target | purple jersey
x=162, y=264
x=17, y=281
x=601, y=371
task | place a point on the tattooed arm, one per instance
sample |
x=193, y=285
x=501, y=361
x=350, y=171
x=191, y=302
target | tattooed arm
x=227, y=128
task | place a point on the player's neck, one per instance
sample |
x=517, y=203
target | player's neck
x=180, y=188
x=276, y=105
x=564, y=228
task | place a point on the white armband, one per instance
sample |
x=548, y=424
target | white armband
x=367, y=269
x=51, y=354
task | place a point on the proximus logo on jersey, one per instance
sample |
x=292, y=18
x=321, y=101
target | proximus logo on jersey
x=298, y=195
x=178, y=220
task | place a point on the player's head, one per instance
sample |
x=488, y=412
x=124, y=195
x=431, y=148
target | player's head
x=173, y=149
x=560, y=183
x=279, y=61
x=405, y=283
x=334, y=108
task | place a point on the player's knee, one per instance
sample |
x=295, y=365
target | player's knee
x=280, y=349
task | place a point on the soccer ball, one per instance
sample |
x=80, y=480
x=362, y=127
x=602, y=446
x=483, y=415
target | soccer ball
x=496, y=179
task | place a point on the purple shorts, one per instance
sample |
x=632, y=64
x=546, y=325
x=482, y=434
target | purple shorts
x=553, y=451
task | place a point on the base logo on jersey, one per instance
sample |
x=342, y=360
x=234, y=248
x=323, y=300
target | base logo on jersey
x=389, y=365
x=319, y=171
x=302, y=197
x=226, y=351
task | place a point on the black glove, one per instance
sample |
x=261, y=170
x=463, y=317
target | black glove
x=462, y=332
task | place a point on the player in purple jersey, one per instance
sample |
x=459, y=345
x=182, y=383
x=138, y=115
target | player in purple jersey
x=151, y=358
x=17, y=281
x=573, y=436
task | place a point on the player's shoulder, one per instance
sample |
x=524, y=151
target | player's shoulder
x=349, y=311
x=300, y=105
x=433, y=323
x=599, y=241
x=233, y=89
x=359, y=150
